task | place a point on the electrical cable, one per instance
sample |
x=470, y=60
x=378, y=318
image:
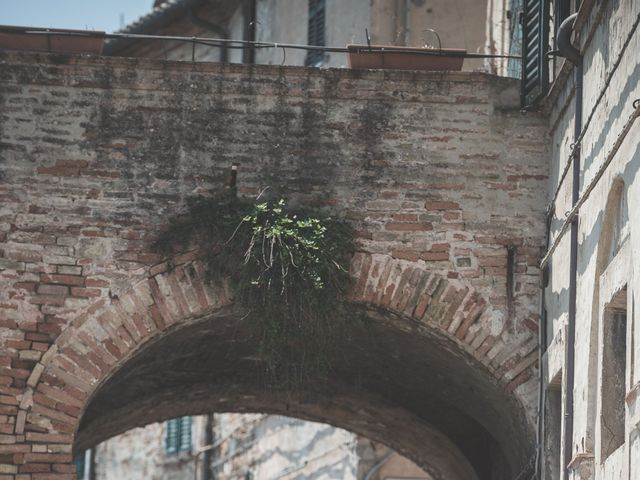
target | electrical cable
x=592, y=185
x=576, y=146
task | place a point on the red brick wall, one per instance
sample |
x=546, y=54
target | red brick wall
x=438, y=172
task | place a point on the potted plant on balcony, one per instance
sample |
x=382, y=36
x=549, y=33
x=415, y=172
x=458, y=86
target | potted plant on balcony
x=427, y=58
x=51, y=40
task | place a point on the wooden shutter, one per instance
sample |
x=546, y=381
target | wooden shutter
x=535, y=40
x=172, y=436
x=178, y=435
x=185, y=434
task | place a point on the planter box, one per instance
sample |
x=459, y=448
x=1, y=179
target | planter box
x=405, y=58
x=73, y=41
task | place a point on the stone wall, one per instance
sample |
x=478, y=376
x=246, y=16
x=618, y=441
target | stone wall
x=140, y=454
x=439, y=173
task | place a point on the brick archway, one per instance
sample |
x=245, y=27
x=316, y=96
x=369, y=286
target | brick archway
x=104, y=335
x=108, y=333
x=449, y=306
x=440, y=176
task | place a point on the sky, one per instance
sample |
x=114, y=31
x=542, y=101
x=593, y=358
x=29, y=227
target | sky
x=102, y=15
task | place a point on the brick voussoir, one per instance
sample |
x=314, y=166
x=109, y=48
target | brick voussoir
x=188, y=291
x=126, y=321
x=139, y=313
x=165, y=313
x=178, y=294
x=161, y=293
x=196, y=285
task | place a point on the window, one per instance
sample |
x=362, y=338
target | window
x=315, y=32
x=178, y=435
x=535, y=45
x=614, y=367
x=532, y=22
x=612, y=269
x=80, y=465
x=552, y=431
x=514, y=65
x=561, y=10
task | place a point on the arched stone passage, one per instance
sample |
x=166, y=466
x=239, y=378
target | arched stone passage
x=416, y=378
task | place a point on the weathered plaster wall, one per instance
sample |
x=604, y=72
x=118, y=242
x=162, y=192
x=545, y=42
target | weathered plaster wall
x=256, y=446
x=604, y=30
x=378, y=462
x=460, y=24
x=282, y=21
x=439, y=173
x=497, y=39
x=140, y=454
x=271, y=446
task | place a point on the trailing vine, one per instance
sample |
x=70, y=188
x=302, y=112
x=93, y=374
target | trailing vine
x=287, y=268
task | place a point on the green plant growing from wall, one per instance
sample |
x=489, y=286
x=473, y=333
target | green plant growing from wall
x=287, y=268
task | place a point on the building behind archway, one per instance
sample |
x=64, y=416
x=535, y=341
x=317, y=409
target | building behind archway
x=243, y=446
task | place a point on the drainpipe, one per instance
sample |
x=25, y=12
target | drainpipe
x=208, y=440
x=378, y=466
x=218, y=29
x=249, y=17
x=542, y=349
x=572, y=54
x=407, y=23
x=92, y=464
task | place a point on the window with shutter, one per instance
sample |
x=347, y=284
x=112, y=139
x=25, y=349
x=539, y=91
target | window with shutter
x=535, y=39
x=315, y=32
x=178, y=435
x=185, y=434
x=171, y=436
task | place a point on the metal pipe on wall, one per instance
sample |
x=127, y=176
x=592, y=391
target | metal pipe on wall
x=572, y=54
x=249, y=12
x=208, y=440
x=92, y=464
x=407, y=23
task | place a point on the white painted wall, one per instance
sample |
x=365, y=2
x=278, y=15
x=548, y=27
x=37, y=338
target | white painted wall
x=601, y=38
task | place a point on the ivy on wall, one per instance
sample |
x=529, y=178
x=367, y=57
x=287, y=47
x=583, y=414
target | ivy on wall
x=288, y=269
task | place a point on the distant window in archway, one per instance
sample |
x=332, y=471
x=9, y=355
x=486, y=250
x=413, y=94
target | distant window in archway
x=178, y=435
x=614, y=367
